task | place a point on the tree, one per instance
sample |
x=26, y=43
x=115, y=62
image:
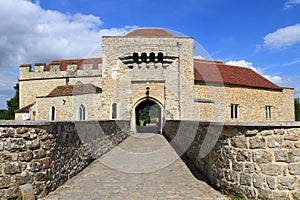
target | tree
x=297, y=109
x=13, y=104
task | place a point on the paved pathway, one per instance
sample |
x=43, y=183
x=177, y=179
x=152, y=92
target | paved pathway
x=142, y=167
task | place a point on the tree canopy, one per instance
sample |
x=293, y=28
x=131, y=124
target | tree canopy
x=12, y=105
x=297, y=109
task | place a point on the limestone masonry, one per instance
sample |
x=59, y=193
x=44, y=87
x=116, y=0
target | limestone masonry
x=149, y=76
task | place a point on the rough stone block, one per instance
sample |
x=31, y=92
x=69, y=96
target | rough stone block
x=35, y=165
x=271, y=169
x=297, y=144
x=274, y=142
x=251, y=132
x=257, y=143
x=282, y=156
x=294, y=169
x=280, y=195
x=239, y=141
x=16, y=145
x=23, y=178
x=262, y=156
x=12, y=168
x=5, y=182
x=243, y=156
x=26, y=192
x=46, y=145
x=286, y=183
x=238, y=167
x=26, y=156
x=258, y=180
x=271, y=182
x=279, y=131
x=245, y=179
x=5, y=133
x=292, y=137
x=264, y=194
x=40, y=153
x=250, y=168
x=21, y=130
x=35, y=144
x=231, y=176
x=266, y=132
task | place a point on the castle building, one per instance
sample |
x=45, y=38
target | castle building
x=148, y=76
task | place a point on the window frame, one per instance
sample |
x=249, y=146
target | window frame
x=268, y=110
x=52, y=113
x=81, y=113
x=234, y=111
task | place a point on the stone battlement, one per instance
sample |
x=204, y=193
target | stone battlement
x=62, y=68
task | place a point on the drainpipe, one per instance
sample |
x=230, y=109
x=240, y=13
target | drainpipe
x=179, y=106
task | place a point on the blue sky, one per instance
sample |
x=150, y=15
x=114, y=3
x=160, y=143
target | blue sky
x=261, y=34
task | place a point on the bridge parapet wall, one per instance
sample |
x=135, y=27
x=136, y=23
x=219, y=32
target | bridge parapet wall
x=253, y=160
x=47, y=154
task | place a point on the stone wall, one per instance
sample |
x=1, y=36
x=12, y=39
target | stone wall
x=253, y=160
x=46, y=154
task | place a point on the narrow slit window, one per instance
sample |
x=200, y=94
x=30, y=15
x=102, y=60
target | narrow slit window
x=268, y=112
x=52, y=113
x=234, y=111
x=114, y=111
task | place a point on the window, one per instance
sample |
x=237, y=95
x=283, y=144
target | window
x=268, y=112
x=152, y=57
x=114, y=111
x=144, y=57
x=52, y=113
x=135, y=57
x=234, y=111
x=160, y=57
x=81, y=112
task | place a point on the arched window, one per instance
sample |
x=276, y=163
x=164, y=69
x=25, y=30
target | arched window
x=81, y=112
x=114, y=111
x=52, y=113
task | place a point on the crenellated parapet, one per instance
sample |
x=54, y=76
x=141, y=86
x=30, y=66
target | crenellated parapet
x=62, y=68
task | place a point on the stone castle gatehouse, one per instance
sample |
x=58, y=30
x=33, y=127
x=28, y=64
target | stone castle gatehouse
x=148, y=76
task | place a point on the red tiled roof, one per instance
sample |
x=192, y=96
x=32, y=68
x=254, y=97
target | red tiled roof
x=24, y=109
x=149, y=32
x=68, y=90
x=79, y=62
x=218, y=72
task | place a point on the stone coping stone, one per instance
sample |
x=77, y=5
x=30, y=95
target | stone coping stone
x=288, y=124
x=48, y=123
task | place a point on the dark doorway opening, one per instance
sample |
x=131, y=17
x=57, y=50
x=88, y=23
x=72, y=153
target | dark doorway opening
x=148, y=117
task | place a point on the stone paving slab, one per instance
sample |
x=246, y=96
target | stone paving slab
x=142, y=167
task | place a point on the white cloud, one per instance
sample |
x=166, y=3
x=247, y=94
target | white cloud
x=283, y=37
x=291, y=3
x=242, y=63
x=31, y=34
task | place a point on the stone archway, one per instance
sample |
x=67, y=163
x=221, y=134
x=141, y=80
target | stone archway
x=148, y=117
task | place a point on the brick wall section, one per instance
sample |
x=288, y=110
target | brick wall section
x=46, y=154
x=260, y=161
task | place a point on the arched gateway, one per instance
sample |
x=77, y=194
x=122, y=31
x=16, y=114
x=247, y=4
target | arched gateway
x=148, y=116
